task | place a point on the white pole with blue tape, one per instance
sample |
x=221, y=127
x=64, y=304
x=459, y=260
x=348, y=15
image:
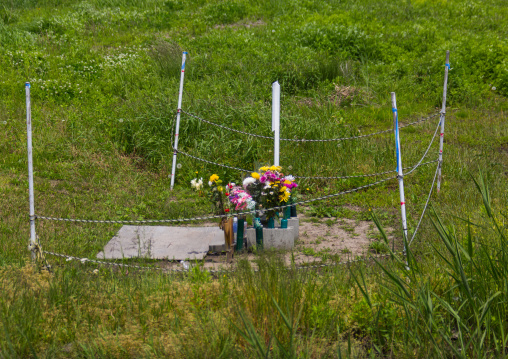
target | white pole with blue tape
x=276, y=122
x=400, y=175
x=177, y=128
x=33, y=238
x=442, y=120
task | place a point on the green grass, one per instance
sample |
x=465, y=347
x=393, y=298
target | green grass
x=104, y=77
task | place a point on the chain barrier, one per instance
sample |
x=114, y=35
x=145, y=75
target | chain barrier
x=214, y=216
x=212, y=271
x=308, y=140
x=428, y=148
x=425, y=207
x=211, y=162
x=311, y=177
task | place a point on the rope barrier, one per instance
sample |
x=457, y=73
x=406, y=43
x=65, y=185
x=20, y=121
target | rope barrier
x=214, y=216
x=302, y=139
x=212, y=271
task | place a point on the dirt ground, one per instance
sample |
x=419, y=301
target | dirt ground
x=321, y=240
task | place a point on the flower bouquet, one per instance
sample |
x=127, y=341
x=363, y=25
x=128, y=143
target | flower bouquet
x=240, y=200
x=270, y=188
x=218, y=196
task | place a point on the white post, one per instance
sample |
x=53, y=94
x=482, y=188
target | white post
x=276, y=121
x=442, y=120
x=399, y=167
x=33, y=238
x=177, y=128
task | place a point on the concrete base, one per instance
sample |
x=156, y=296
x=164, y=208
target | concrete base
x=160, y=242
x=295, y=223
x=250, y=237
x=279, y=238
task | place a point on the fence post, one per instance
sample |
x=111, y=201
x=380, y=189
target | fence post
x=179, y=110
x=276, y=121
x=442, y=121
x=33, y=238
x=400, y=176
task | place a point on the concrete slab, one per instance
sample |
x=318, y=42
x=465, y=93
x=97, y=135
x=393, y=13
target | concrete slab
x=162, y=242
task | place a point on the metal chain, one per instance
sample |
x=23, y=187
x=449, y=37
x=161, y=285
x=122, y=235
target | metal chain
x=302, y=139
x=428, y=148
x=225, y=127
x=368, y=175
x=310, y=177
x=212, y=271
x=211, y=162
x=213, y=216
x=425, y=207
x=321, y=177
x=420, y=120
x=86, y=260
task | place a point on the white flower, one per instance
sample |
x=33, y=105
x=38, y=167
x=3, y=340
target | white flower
x=179, y=166
x=289, y=178
x=493, y=88
x=267, y=185
x=248, y=181
x=193, y=183
x=210, y=183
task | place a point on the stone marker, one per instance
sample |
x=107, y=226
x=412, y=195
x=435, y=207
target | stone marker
x=279, y=238
x=295, y=223
x=162, y=242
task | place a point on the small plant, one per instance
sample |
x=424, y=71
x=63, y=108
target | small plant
x=309, y=251
x=330, y=222
x=197, y=185
x=378, y=247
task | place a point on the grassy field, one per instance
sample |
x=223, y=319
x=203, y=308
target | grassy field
x=104, y=80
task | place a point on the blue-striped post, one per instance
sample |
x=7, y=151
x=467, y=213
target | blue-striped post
x=177, y=128
x=442, y=121
x=400, y=175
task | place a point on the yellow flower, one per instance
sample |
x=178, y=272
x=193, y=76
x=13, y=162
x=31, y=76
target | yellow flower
x=214, y=178
x=276, y=168
x=307, y=189
x=283, y=189
x=284, y=197
x=264, y=169
x=220, y=188
x=287, y=182
x=255, y=175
